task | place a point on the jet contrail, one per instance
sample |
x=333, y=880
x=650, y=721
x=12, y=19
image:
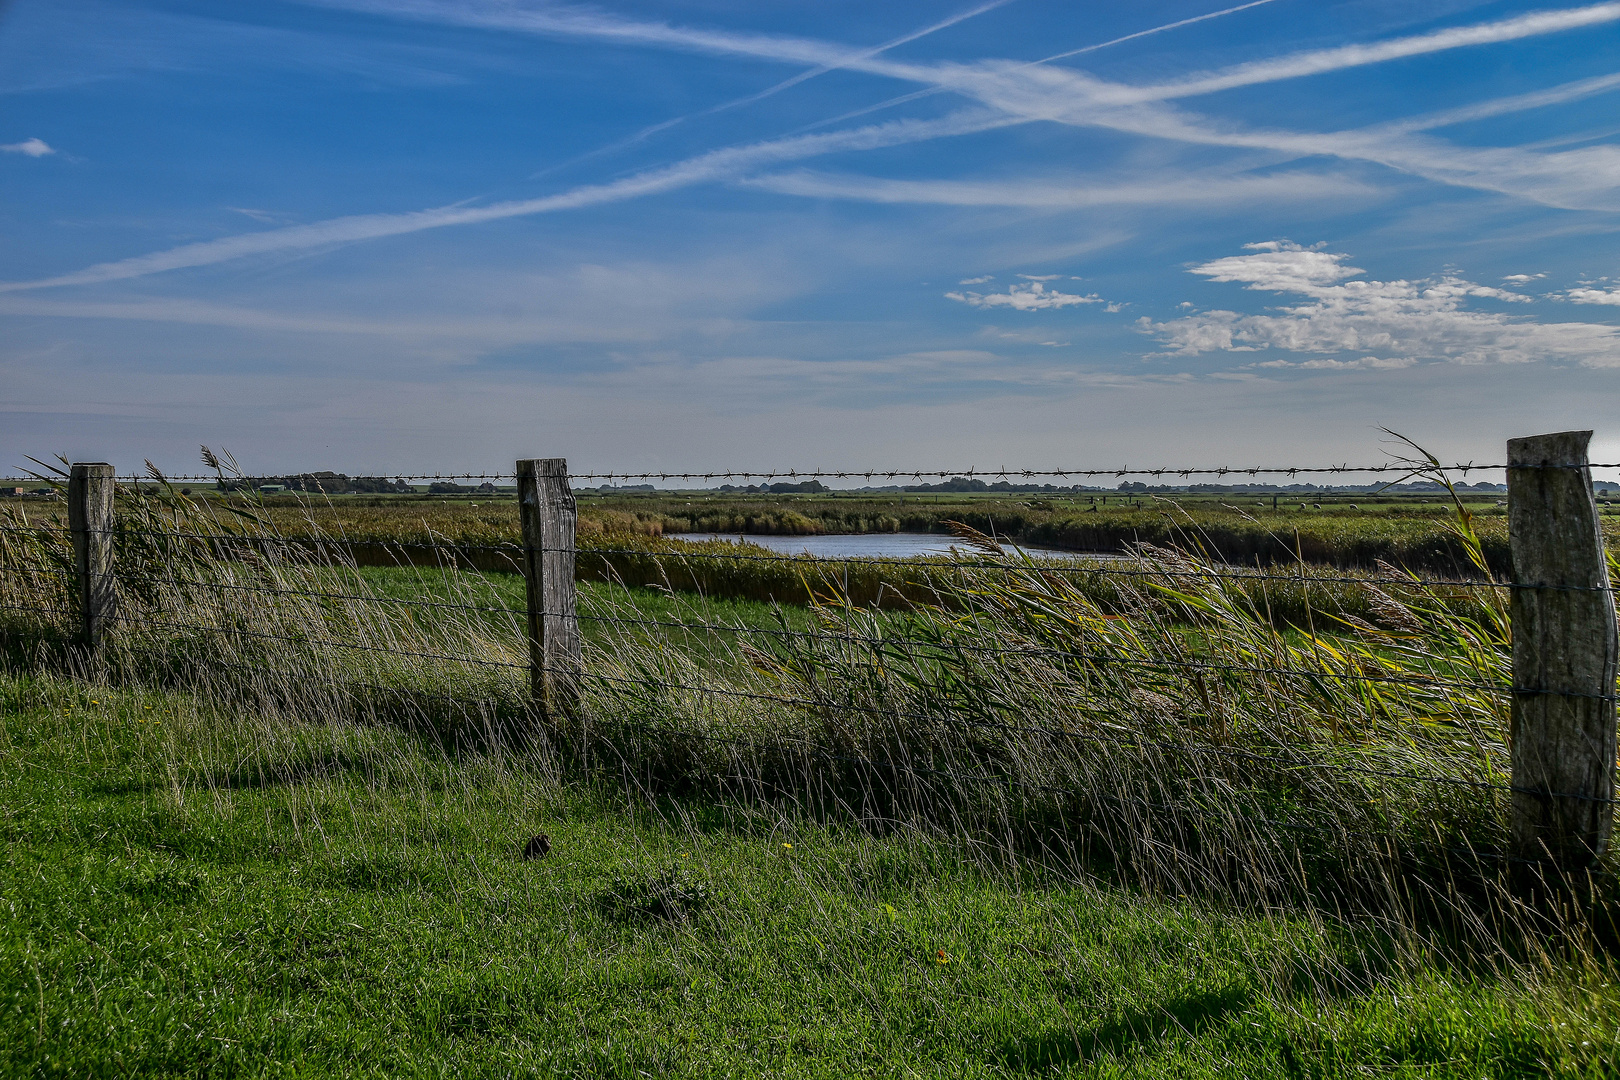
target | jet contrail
x=804, y=76
x=1155, y=30
x=932, y=90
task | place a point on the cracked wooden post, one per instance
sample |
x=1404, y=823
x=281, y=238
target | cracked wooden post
x=546, y=504
x=1564, y=651
x=90, y=522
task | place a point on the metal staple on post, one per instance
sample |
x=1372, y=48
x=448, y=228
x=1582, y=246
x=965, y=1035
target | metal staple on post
x=546, y=504
x=90, y=521
x=1564, y=655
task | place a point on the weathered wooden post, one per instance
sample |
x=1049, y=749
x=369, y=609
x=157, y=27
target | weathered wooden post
x=548, y=510
x=90, y=522
x=1564, y=652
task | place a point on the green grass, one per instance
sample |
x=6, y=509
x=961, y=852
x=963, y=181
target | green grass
x=195, y=894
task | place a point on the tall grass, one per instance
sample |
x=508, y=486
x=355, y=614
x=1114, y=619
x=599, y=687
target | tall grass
x=1171, y=729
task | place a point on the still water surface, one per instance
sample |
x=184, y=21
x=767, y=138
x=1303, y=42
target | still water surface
x=874, y=545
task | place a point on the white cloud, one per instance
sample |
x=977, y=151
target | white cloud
x=1594, y=296
x=1040, y=277
x=1280, y=266
x=977, y=280
x=1034, y=296
x=31, y=147
x=1414, y=320
x=1522, y=279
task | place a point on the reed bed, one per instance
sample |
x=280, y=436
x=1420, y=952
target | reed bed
x=1236, y=531
x=1191, y=728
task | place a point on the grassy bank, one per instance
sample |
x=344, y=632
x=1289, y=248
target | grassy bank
x=193, y=891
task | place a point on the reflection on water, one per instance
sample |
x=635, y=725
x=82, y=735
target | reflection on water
x=875, y=545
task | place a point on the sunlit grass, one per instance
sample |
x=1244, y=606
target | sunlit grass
x=206, y=893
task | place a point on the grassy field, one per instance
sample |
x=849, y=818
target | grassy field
x=1027, y=828
x=191, y=893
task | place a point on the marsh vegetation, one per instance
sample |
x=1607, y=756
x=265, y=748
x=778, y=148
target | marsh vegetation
x=1168, y=821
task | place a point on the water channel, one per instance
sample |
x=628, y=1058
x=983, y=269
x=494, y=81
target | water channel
x=877, y=545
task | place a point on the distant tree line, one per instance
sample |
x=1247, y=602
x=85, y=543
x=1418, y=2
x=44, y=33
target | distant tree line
x=324, y=483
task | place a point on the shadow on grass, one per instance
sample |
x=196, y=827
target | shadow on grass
x=1055, y=1048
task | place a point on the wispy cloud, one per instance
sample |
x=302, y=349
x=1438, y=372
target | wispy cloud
x=1404, y=321
x=1059, y=195
x=716, y=165
x=30, y=147
x=1322, y=61
x=1030, y=296
x=1018, y=92
x=1502, y=106
x=559, y=20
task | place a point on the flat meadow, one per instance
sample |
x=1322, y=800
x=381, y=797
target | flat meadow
x=1047, y=819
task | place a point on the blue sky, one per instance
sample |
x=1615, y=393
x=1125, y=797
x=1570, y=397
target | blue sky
x=393, y=235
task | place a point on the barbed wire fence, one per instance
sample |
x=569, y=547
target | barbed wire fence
x=1012, y=681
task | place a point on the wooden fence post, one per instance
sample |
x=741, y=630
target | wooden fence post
x=90, y=521
x=547, y=506
x=1564, y=652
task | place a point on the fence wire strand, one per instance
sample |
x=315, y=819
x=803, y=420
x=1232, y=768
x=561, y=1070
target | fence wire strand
x=1003, y=473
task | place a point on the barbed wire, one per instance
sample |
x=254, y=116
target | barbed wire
x=971, y=473
x=1008, y=474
